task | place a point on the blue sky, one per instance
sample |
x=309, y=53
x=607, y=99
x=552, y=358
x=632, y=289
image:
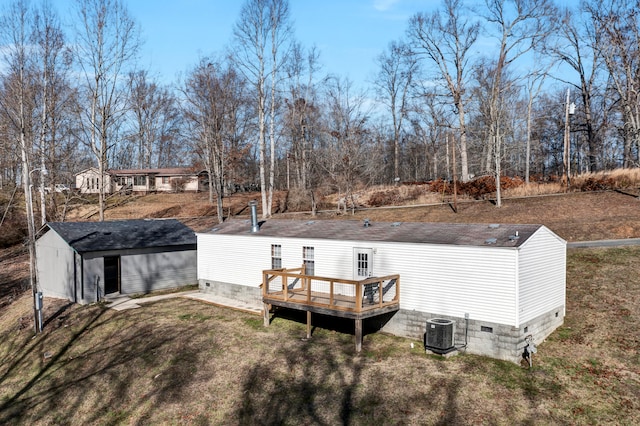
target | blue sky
x=348, y=33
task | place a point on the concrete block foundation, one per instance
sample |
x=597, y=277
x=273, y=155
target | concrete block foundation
x=494, y=340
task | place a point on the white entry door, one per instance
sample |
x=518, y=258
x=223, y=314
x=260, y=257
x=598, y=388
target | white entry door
x=362, y=263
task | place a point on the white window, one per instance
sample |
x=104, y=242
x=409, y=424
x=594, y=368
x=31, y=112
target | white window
x=276, y=256
x=363, y=264
x=140, y=180
x=308, y=260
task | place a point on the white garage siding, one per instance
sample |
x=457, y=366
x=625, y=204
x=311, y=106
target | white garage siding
x=55, y=264
x=542, y=277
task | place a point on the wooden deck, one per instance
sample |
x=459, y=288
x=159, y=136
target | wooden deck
x=352, y=299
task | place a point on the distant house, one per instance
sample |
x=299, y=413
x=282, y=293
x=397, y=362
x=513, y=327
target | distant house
x=141, y=180
x=84, y=261
x=497, y=284
x=88, y=180
x=160, y=180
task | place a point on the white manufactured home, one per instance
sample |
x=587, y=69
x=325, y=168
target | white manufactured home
x=84, y=261
x=497, y=284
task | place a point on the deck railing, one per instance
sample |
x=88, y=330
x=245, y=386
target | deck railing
x=293, y=286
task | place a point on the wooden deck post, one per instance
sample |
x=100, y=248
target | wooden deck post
x=265, y=313
x=308, y=324
x=358, y=335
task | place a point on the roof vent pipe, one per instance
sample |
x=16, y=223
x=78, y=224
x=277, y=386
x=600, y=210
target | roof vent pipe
x=255, y=227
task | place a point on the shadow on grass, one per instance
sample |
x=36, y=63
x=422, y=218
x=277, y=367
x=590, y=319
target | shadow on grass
x=91, y=362
x=323, y=381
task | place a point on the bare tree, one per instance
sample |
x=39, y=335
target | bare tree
x=535, y=81
x=617, y=30
x=107, y=41
x=214, y=99
x=260, y=32
x=345, y=157
x=577, y=47
x=301, y=114
x=446, y=41
x=397, y=68
x=520, y=26
x=156, y=120
x=16, y=25
x=53, y=65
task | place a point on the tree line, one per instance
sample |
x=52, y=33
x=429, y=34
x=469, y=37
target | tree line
x=473, y=88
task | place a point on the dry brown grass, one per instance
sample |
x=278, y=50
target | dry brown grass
x=184, y=362
x=534, y=189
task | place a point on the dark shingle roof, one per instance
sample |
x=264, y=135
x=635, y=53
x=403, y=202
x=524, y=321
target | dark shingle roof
x=498, y=235
x=124, y=234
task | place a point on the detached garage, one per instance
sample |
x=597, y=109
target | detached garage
x=84, y=261
x=498, y=284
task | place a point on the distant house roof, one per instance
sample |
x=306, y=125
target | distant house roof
x=491, y=235
x=174, y=171
x=124, y=234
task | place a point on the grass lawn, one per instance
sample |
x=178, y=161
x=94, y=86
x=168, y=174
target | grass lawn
x=180, y=361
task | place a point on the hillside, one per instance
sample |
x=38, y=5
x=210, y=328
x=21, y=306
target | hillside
x=576, y=216
x=186, y=362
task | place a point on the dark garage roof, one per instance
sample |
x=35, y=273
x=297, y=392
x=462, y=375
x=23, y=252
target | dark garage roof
x=124, y=234
x=490, y=235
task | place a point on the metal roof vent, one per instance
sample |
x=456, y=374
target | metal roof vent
x=367, y=223
x=255, y=226
x=490, y=241
x=515, y=237
x=494, y=225
x=396, y=224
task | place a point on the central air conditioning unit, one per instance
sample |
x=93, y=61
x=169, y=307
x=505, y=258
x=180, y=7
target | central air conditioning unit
x=439, y=335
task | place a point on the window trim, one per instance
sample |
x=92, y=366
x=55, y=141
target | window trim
x=308, y=260
x=276, y=256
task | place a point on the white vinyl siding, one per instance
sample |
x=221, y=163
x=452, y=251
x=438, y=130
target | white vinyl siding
x=447, y=280
x=55, y=265
x=453, y=280
x=542, y=276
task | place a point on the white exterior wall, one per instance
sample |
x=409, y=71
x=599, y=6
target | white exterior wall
x=440, y=279
x=542, y=275
x=453, y=280
x=55, y=265
x=190, y=184
x=84, y=182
